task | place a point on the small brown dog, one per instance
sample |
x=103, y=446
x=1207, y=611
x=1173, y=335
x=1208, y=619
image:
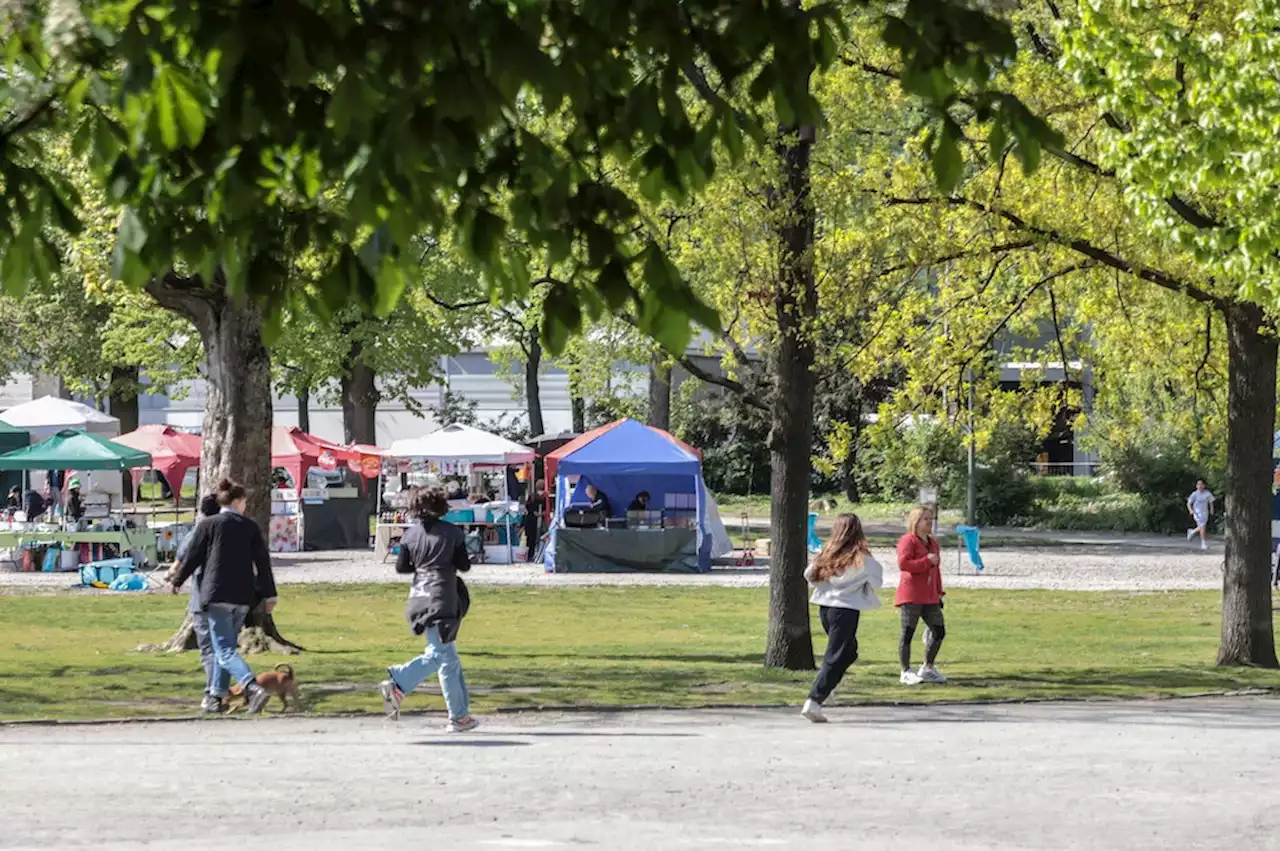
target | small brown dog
x=279, y=682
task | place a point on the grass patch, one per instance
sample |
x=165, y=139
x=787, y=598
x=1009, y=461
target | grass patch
x=72, y=657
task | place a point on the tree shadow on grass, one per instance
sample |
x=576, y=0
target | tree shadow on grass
x=472, y=743
x=1074, y=679
x=693, y=658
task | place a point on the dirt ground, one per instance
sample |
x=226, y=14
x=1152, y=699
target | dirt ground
x=1182, y=774
x=1079, y=567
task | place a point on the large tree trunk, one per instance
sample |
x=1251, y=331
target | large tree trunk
x=304, y=409
x=1247, y=637
x=789, y=644
x=660, y=391
x=236, y=435
x=532, y=389
x=360, y=398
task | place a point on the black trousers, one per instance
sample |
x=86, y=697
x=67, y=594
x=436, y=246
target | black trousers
x=911, y=615
x=841, y=626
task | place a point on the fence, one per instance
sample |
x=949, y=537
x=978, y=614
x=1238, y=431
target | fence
x=1067, y=468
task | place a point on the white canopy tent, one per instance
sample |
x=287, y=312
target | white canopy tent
x=464, y=445
x=458, y=443
x=48, y=415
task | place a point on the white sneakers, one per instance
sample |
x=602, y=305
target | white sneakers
x=813, y=711
x=930, y=674
x=1191, y=533
x=392, y=697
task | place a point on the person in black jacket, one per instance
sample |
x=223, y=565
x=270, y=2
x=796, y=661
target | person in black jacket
x=435, y=552
x=236, y=574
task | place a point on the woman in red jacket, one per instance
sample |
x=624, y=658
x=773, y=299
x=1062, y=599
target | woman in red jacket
x=919, y=596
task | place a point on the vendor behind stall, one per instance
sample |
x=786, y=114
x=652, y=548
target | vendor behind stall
x=75, y=505
x=598, y=502
x=640, y=503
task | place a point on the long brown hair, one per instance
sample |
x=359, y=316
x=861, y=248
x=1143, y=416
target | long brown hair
x=846, y=548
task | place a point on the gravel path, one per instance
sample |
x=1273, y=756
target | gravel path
x=1060, y=568
x=1186, y=774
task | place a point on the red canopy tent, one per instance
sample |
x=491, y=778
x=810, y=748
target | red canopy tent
x=172, y=452
x=295, y=451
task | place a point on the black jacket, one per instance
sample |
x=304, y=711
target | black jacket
x=435, y=552
x=229, y=547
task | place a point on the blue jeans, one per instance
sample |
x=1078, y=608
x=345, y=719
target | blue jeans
x=437, y=657
x=225, y=622
x=200, y=623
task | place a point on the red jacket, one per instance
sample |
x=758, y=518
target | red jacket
x=919, y=581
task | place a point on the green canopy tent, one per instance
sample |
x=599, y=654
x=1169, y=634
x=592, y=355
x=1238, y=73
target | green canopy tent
x=71, y=449
x=11, y=438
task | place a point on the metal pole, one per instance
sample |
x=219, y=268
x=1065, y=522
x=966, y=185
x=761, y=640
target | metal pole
x=971, y=512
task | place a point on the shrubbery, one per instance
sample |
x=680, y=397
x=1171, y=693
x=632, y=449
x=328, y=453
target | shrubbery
x=1144, y=490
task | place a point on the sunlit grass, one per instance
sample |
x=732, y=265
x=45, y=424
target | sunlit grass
x=72, y=656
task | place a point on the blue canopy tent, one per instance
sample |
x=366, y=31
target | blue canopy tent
x=622, y=460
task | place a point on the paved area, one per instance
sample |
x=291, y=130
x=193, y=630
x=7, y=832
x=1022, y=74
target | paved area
x=1084, y=568
x=1184, y=774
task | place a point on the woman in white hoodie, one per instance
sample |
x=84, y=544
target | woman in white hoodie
x=845, y=579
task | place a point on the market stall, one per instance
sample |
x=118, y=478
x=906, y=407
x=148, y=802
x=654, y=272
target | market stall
x=11, y=438
x=462, y=451
x=92, y=537
x=48, y=415
x=173, y=453
x=679, y=530
x=314, y=514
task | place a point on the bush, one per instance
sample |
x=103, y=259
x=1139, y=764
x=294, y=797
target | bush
x=1161, y=476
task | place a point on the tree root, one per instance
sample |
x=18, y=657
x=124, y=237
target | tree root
x=259, y=635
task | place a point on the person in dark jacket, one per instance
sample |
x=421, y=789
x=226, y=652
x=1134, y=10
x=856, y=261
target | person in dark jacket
x=435, y=552
x=34, y=505
x=232, y=554
x=535, y=504
x=199, y=618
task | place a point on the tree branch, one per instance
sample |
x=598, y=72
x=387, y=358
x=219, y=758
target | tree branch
x=1080, y=246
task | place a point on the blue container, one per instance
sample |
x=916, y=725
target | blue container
x=461, y=515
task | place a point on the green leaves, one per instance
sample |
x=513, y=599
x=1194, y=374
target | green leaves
x=944, y=154
x=177, y=114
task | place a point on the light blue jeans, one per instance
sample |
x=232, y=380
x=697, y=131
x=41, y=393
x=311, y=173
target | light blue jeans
x=225, y=623
x=439, y=657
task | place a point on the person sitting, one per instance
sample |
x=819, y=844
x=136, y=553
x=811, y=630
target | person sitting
x=640, y=503
x=598, y=502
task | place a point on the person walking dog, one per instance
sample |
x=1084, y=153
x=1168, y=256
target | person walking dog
x=199, y=618
x=919, y=596
x=845, y=578
x=232, y=554
x=435, y=552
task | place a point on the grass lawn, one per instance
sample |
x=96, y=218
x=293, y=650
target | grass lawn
x=72, y=656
